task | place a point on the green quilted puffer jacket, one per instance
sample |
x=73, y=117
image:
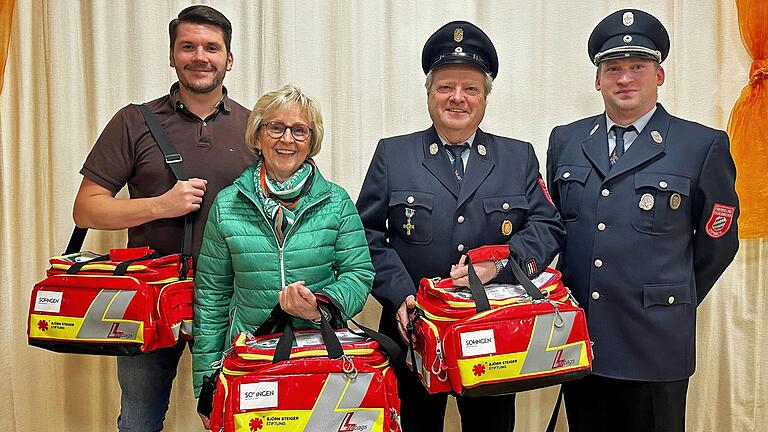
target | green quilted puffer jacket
x=241, y=269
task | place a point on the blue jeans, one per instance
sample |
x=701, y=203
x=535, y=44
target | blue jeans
x=145, y=381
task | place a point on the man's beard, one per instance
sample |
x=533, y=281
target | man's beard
x=202, y=87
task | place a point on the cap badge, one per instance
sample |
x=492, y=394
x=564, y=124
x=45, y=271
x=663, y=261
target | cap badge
x=433, y=149
x=628, y=18
x=627, y=38
x=656, y=136
x=459, y=50
x=646, y=202
x=506, y=227
x=458, y=34
x=675, y=200
x=594, y=129
x=482, y=150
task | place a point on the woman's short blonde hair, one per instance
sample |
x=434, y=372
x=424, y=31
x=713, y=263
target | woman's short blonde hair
x=275, y=100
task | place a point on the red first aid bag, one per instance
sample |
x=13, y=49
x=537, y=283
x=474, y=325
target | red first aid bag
x=498, y=339
x=309, y=380
x=127, y=302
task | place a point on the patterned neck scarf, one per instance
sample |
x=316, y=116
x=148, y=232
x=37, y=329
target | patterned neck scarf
x=280, y=200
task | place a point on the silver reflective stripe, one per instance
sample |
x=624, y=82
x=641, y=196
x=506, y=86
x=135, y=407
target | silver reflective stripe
x=336, y=407
x=106, y=309
x=543, y=353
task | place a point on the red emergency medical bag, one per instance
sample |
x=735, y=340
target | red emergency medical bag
x=498, y=339
x=307, y=380
x=127, y=302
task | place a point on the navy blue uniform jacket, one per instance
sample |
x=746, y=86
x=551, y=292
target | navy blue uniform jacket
x=501, y=185
x=641, y=272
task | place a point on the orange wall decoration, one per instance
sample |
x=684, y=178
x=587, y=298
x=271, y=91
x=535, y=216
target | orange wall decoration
x=748, y=125
x=6, y=17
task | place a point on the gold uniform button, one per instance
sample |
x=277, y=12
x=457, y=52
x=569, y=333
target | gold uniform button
x=460, y=248
x=595, y=295
x=598, y=263
x=605, y=192
x=460, y=219
x=505, y=206
x=410, y=199
x=566, y=174
x=671, y=299
x=601, y=226
x=663, y=184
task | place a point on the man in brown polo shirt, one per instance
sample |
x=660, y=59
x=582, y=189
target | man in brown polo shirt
x=207, y=129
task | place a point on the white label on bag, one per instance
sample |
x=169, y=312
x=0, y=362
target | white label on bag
x=258, y=395
x=48, y=301
x=308, y=339
x=478, y=343
x=542, y=279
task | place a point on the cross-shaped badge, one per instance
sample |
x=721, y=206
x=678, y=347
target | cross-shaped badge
x=408, y=226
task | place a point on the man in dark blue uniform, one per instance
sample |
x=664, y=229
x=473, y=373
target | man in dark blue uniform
x=432, y=195
x=649, y=204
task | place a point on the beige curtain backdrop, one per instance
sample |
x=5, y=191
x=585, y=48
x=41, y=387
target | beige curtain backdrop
x=72, y=64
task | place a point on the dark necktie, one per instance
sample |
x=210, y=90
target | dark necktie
x=618, y=150
x=458, y=164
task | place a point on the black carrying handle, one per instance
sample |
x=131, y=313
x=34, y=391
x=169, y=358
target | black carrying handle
x=285, y=343
x=279, y=319
x=120, y=269
x=478, y=291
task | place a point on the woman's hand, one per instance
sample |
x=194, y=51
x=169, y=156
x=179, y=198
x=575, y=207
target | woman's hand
x=206, y=421
x=299, y=301
x=486, y=270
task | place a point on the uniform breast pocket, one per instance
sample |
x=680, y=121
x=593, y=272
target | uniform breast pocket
x=504, y=216
x=410, y=215
x=663, y=203
x=570, y=181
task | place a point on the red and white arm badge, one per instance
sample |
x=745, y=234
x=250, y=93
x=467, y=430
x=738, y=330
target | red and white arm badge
x=543, y=187
x=720, y=220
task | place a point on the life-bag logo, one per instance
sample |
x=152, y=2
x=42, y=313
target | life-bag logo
x=561, y=362
x=48, y=301
x=478, y=343
x=258, y=395
x=348, y=426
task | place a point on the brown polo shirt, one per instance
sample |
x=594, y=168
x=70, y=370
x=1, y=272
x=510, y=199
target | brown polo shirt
x=212, y=149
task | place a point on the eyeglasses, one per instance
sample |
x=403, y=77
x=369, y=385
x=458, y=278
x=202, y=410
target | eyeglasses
x=276, y=130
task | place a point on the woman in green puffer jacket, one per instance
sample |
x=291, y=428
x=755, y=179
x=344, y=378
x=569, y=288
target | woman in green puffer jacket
x=278, y=234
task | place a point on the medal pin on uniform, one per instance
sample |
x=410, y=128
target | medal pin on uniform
x=646, y=202
x=675, y=200
x=433, y=149
x=506, y=227
x=481, y=149
x=408, y=226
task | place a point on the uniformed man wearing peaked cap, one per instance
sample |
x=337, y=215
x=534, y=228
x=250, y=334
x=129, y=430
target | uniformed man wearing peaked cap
x=636, y=175
x=431, y=196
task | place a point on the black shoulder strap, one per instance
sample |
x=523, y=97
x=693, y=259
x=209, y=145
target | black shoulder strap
x=174, y=161
x=172, y=156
